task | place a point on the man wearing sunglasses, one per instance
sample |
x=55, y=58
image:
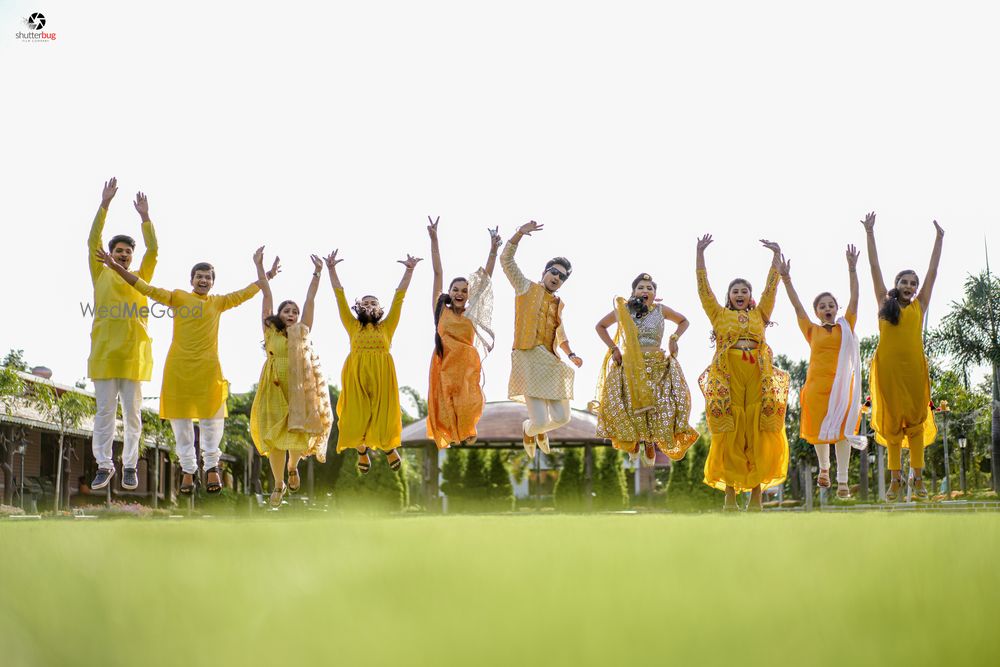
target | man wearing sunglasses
x=537, y=376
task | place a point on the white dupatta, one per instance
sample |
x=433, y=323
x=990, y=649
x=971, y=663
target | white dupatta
x=844, y=407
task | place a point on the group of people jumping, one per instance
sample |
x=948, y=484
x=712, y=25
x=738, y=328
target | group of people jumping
x=643, y=401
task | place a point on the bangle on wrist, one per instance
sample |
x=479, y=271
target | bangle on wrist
x=675, y=337
x=571, y=355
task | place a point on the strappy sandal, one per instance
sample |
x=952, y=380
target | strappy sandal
x=843, y=490
x=648, y=461
x=364, y=466
x=294, y=482
x=277, y=495
x=210, y=486
x=187, y=483
x=918, y=489
x=823, y=478
x=894, y=491
x=471, y=440
x=394, y=464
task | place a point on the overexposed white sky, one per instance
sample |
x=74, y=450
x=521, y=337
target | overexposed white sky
x=626, y=128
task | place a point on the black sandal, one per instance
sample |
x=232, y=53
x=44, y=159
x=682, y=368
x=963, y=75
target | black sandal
x=395, y=465
x=294, y=474
x=363, y=467
x=213, y=487
x=187, y=483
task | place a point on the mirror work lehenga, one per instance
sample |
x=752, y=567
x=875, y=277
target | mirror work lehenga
x=745, y=396
x=455, y=399
x=291, y=410
x=645, y=398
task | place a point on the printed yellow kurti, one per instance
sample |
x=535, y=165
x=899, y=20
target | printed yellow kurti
x=269, y=414
x=120, y=346
x=824, y=353
x=900, y=385
x=745, y=397
x=368, y=407
x=193, y=385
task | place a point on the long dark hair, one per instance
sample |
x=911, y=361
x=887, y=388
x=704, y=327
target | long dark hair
x=891, y=310
x=444, y=300
x=275, y=320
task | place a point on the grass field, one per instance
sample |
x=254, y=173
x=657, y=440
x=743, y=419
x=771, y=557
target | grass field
x=776, y=589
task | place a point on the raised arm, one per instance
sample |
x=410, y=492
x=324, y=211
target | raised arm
x=495, y=243
x=924, y=295
x=709, y=303
x=267, y=303
x=682, y=326
x=410, y=263
x=785, y=271
x=770, y=291
x=878, y=282
x=510, y=268
x=94, y=242
x=308, y=308
x=438, y=286
x=346, y=316
x=852, y=274
x=396, y=309
x=148, y=264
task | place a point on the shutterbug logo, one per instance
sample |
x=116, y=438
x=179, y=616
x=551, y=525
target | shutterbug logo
x=35, y=23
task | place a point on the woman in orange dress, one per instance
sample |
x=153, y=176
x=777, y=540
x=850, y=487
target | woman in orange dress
x=463, y=337
x=831, y=396
x=900, y=384
x=745, y=394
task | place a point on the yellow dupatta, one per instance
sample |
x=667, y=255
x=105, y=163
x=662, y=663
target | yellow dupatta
x=309, y=409
x=633, y=366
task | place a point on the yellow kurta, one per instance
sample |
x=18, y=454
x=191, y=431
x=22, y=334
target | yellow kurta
x=269, y=414
x=745, y=396
x=900, y=385
x=120, y=346
x=193, y=385
x=454, y=399
x=368, y=408
x=824, y=353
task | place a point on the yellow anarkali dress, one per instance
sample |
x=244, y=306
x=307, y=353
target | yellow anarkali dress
x=368, y=408
x=901, y=390
x=745, y=396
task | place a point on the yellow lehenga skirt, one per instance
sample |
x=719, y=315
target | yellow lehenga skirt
x=665, y=423
x=269, y=414
x=746, y=456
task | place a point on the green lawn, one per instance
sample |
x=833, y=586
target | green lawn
x=775, y=589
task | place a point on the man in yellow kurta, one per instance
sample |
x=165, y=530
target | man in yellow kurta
x=537, y=376
x=121, y=356
x=193, y=385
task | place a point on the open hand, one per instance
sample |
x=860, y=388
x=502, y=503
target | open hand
x=869, y=222
x=704, y=242
x=141, y=205
x=529, y=227
x=785, y=267
x=772, y=246
x=108, y=193
x=258, y=256
x=852, y=256
x=105, y=258
x=317, y=263
x=410, y=262
x=275, y=268
x=332, y=261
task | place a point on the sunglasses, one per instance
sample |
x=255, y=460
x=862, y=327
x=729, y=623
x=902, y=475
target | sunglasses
x=556, y=272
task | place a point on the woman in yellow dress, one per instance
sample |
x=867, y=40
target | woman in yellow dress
x=900, y=384
x=831, y=396
x=643, y=399
x=745, y=395
x=291, y=414
x=368, y=409
x=464, y=336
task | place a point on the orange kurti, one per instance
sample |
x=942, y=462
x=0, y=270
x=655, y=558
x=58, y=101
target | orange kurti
x=455, y=400
x=824, y=353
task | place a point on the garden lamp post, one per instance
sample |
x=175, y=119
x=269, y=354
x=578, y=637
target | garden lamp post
x=946, y=482
x=962, y=443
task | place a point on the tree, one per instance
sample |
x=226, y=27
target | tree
x=67, y=410
x=568, y=491
x=11, y=389
x=475, y=482
x=381, y=490
x=970, y=334
x=162, y=434
x=453, y=472
x=500, y=490
x=686, y=488
x=15, y=360
x=610, y=487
